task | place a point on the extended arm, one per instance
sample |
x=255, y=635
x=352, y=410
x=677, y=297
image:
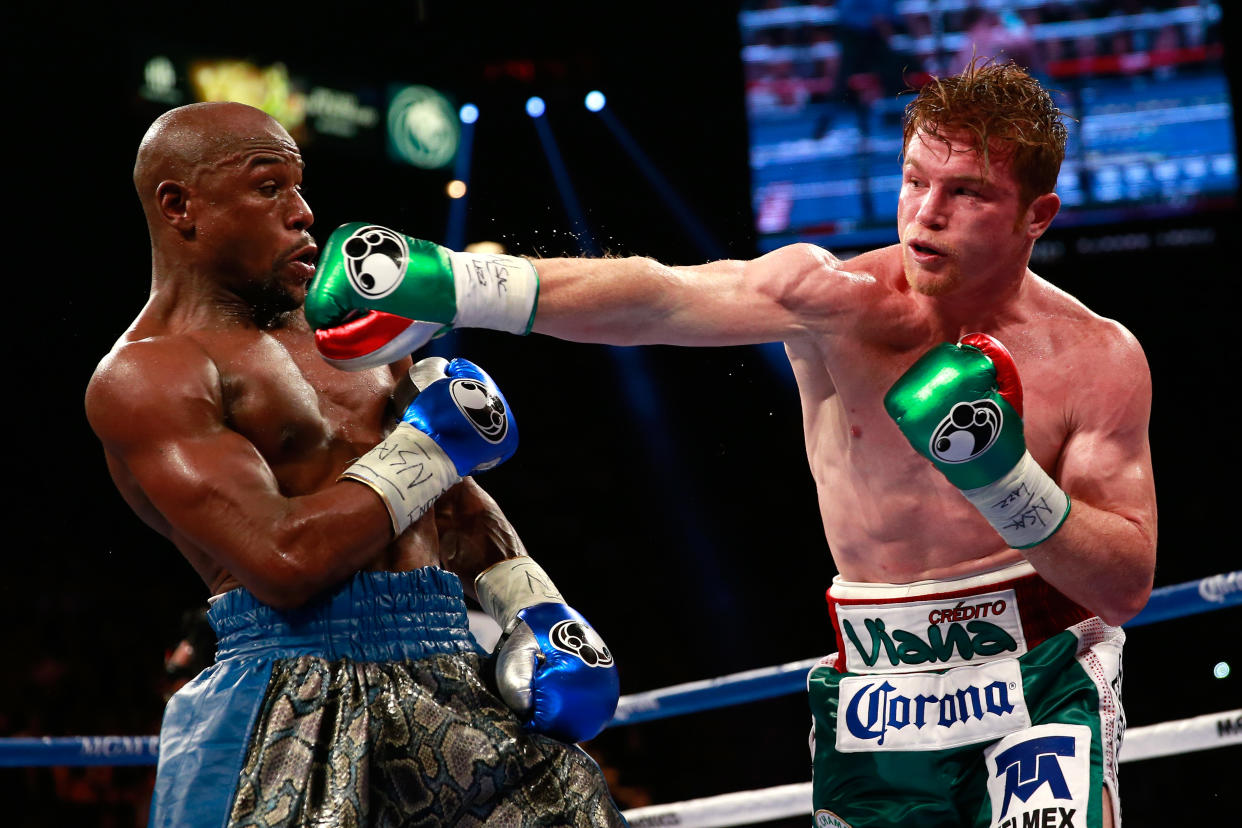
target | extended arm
x=638, y=301
x=371, y=282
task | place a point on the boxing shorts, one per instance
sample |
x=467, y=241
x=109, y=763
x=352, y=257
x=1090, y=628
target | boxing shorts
x=990, y=701
x=367, y=707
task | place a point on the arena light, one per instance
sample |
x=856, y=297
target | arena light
x=423, y=129
x=160, y=81
x=455, y=188
x=595, y=100
x=469, y=113
x=535, y=107
x=269, y=88
x=1221, y=670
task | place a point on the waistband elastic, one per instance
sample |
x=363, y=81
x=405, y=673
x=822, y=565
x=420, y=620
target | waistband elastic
x=929, y=625
x=375, y=616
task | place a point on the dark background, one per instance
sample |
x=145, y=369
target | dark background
x=676, y=511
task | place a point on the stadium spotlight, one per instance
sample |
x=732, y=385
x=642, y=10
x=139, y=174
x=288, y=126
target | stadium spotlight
x=469, y=113
x=595, y=100
x=535, y=106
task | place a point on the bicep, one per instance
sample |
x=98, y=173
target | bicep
x=1106, y=462
x=212, y=486
x=167, y=430
x=219, y=496
x=779, y=297
x=639, y=301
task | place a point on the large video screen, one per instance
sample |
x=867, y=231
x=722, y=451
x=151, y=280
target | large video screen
x=1152, y=132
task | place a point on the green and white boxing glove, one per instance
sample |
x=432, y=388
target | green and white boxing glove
x=960, y=406
x=378, y=295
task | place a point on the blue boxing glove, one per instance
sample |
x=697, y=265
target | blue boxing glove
x=552, y=667
x=459, y=424
x=459, y=406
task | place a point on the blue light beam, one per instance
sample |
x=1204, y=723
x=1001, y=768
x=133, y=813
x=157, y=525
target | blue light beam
x=565, y=187
x=773, y=352
x=455, y=232
x=644, y=402
x=703, y=239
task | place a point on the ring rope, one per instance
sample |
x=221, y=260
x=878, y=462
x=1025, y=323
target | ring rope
x=67, y=751
x=746, y=807
x=1206, y=594
x=1176, y=601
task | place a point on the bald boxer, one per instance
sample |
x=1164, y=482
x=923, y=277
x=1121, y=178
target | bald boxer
x=978, y=440
x=336, y=525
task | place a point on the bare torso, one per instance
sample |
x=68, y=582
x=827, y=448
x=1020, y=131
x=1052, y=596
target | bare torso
x=889, y=516
x=307, y=419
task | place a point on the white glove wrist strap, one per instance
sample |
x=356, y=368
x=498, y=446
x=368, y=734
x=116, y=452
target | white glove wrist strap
x=507, y=588
x=494, y=291
x=1026, y=506
x=408, y=470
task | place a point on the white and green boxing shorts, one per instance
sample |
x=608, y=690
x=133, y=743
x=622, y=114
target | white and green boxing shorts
x=991, y=701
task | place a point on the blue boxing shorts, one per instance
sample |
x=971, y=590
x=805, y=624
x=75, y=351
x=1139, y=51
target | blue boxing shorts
x=366, y=707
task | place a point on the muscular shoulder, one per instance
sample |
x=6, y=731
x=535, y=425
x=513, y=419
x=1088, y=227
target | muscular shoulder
x=809, y=274
x=1080, y=329
x=140, y=381
x=1086, y=344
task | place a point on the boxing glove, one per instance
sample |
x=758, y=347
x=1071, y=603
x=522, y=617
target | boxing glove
x=458, y=424
x=960, y=406
x=552, y=668
x=377, y=292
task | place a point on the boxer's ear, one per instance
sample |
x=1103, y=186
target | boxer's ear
x=1041, y=213
x=173, y=199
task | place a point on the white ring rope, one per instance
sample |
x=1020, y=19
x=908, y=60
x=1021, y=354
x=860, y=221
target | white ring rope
x=1212, y=730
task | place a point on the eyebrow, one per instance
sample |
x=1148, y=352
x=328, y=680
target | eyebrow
x=977, y=180
x=252, y=157
x=264, y=158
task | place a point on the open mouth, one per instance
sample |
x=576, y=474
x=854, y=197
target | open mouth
x=303, y=261
x=924, y=251
x=307, y=255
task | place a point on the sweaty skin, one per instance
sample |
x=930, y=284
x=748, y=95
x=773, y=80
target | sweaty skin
x=852, y=328
x=221, y=425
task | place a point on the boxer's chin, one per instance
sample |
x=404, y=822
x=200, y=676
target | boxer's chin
x=938, y=281
x=273, y=299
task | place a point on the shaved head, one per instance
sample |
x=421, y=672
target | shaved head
x=189, y=140
x=221, y=186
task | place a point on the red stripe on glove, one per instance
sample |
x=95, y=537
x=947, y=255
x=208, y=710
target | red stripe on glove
x=1008, y=383
x=361, y=336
